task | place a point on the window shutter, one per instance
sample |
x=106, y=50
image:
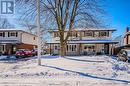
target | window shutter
x=3, y=47
x=16, y=34
x=8, y=34
x=3, y=34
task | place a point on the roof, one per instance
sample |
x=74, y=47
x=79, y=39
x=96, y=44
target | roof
x=128, y=33
x=87, y=42
x=20, y=30
x=10, y=42
x=86, y=29
x=124, y=46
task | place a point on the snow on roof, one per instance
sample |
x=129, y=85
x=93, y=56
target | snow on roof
x=14, y=29
x=85, y=42
x=84, y=29
x=9, y=41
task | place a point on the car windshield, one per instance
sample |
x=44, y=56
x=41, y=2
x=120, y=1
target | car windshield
x=128, y=52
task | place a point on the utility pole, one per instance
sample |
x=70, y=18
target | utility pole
x=38, y=32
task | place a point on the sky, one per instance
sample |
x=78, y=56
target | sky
x=118, y=15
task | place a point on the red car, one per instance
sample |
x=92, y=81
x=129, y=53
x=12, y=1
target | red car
x=23, y=53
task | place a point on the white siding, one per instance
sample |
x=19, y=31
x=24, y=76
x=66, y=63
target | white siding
x=29, y=39
x=11, y=37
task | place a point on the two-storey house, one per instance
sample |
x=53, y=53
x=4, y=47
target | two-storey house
x=11, y=40
x=84, y=42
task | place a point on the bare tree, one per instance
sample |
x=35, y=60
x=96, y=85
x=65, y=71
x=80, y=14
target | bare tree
x=4, y=23
x=30, y=27
x=69, y=14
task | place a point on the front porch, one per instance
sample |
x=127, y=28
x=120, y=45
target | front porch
x=84, y=48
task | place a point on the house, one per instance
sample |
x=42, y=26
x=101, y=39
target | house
x=84, y=42
x=119, y=39
x=125, y=41
x=126, y=37
x=12, y=39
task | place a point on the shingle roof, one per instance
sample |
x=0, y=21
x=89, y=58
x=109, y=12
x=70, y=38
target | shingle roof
x=87, y=29
x=86, y=42
x=22, y=30
x=9, y=42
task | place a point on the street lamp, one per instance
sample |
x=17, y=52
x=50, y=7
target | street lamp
x=38, y=32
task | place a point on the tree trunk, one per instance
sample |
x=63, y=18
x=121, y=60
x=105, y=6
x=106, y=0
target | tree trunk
x=62, y=49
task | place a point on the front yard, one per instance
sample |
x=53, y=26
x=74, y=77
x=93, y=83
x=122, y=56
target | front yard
x=68, y=71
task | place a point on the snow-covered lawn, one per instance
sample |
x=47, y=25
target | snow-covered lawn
x=68, y=71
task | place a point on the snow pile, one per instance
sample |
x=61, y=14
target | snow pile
x=120, y=66
x=3, y=57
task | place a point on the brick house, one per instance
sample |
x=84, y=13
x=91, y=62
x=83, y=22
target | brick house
x=84, y=42
x=11, y=40
x=127, y=37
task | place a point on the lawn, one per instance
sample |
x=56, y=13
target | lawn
x=68, y=71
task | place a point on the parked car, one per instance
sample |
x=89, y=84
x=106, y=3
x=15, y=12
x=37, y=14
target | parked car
x=28, y=53
x=35, y=51
x=124, y=55
x=23, y=53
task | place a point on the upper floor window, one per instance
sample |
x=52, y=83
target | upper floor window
x=14, y=34
x=88, y=33
x=96, y=34
x=73, y=34
x=56, y=34
x=2, y=34
x=34, y=38
x=104, y=33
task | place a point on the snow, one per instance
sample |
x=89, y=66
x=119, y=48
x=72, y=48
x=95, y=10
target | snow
x=69, y=71
x=87, y=41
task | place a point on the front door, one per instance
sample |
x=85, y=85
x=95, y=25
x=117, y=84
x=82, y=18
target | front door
x=106, y=48
x=56, y=49
x=89, y=49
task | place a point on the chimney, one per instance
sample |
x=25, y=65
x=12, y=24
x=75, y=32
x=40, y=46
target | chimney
x=127, y=29
x=127, y=37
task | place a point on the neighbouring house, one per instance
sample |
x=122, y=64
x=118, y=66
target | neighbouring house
x=12, y=39
x=125, y=41
x=127, y=37
x=119, y=39
x=84, y=42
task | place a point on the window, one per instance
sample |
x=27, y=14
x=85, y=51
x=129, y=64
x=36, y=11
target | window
x=15, y=34
x=103, y=33
x=73, y=34
x=71, y=48
x=89, y=33
x=2, y=34
x=96, y=34
x=33, y=38
x=56, y=34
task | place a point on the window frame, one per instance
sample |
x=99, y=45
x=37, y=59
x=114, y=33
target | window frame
x=87, y=33
x=12, y=34
x=103, y=34
x=2, y=34
x=71, y=48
